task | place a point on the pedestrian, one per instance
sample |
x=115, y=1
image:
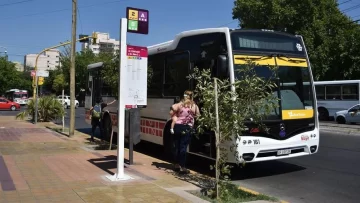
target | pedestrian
x=186, y=111
x=96, y=114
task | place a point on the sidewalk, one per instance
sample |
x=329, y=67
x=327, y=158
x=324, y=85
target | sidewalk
x=344, y=129
x=38, y=165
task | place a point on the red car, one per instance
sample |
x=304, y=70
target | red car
x=8, y=105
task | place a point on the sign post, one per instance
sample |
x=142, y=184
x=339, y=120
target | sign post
x=38, y=74
x=132, y=67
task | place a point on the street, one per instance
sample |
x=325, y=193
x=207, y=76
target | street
x=331, y=175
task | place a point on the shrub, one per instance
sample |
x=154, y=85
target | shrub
x=49, y=108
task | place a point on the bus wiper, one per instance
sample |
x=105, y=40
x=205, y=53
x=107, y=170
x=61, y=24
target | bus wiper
x=282, y=56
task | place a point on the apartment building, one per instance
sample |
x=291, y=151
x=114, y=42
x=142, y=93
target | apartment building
x=103, y=44
x=49, y=60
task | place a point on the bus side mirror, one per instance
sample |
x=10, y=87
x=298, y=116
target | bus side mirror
x=222, y=66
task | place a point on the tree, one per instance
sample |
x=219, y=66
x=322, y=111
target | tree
x=59, y=83
x=330, y=36
x=11, y=78
x=82, y=60
x=253, y=99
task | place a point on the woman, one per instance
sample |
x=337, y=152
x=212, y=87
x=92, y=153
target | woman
x=186, y=111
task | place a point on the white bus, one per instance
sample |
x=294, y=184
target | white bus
x=18, y=96
x=334, y=96
x=294, y=128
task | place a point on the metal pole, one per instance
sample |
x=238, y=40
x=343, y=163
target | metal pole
x=131, y=136
x=121, y=114
x=217, y=133
x=36, y=98
x=63, y=118
x=72, y=69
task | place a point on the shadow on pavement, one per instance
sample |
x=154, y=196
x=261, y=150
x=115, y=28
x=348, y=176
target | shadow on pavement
x=106, y=163
x=202, y=165
x=86, y=131
x=263, y=169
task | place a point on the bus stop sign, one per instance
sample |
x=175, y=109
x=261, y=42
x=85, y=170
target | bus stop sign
x=138, y=20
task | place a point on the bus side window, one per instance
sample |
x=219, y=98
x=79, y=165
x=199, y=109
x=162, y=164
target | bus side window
x=176, y=71
x=155, y=75
x=320, y=92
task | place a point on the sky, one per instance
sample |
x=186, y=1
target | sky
x=28, y=26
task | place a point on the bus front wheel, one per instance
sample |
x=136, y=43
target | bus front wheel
x=323, y=114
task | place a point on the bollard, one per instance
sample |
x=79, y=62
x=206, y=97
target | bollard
x=132, y=130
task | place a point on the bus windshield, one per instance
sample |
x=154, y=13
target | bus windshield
x=20, y=95
x=293, y=83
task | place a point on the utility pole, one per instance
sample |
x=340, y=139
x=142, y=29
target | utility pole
x=72, y=69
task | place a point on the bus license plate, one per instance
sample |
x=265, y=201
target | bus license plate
x=283, y=152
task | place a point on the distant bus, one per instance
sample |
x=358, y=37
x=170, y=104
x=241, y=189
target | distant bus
x=333, y=96
x=19, y=96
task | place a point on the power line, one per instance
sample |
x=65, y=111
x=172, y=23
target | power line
x=19, y=2
x=231, y=22
x=65, y=9
x=351, y=8
x=344, y=2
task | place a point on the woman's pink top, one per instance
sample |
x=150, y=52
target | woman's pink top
x=185, y=116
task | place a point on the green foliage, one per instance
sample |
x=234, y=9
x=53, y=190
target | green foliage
x=253, y=99
x=59, y=83
x=60, y=77
x=49, y=109
x=11, y=78
x=82, y=60
x=234, y=195
x=332, y=39
x=110, y=72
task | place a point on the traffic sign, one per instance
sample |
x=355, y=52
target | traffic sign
x=138, y=20
x=42, y=73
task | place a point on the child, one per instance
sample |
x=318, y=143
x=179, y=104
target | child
x=186, y=102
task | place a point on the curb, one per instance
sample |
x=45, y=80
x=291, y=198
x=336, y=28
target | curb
x=257, y=193
x=188, y=195
x=340, y=131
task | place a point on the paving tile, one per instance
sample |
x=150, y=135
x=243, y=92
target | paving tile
x=44, y=167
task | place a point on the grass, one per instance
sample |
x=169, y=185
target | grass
x=234, y=195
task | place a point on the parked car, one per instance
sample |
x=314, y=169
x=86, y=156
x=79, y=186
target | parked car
x=352, y=115
x=66, y=101
x=8, y=105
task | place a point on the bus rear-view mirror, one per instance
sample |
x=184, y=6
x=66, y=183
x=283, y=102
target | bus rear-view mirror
x=222, y=66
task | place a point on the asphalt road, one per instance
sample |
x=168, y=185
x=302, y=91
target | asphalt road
x=80, y=123
x=332, y=175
